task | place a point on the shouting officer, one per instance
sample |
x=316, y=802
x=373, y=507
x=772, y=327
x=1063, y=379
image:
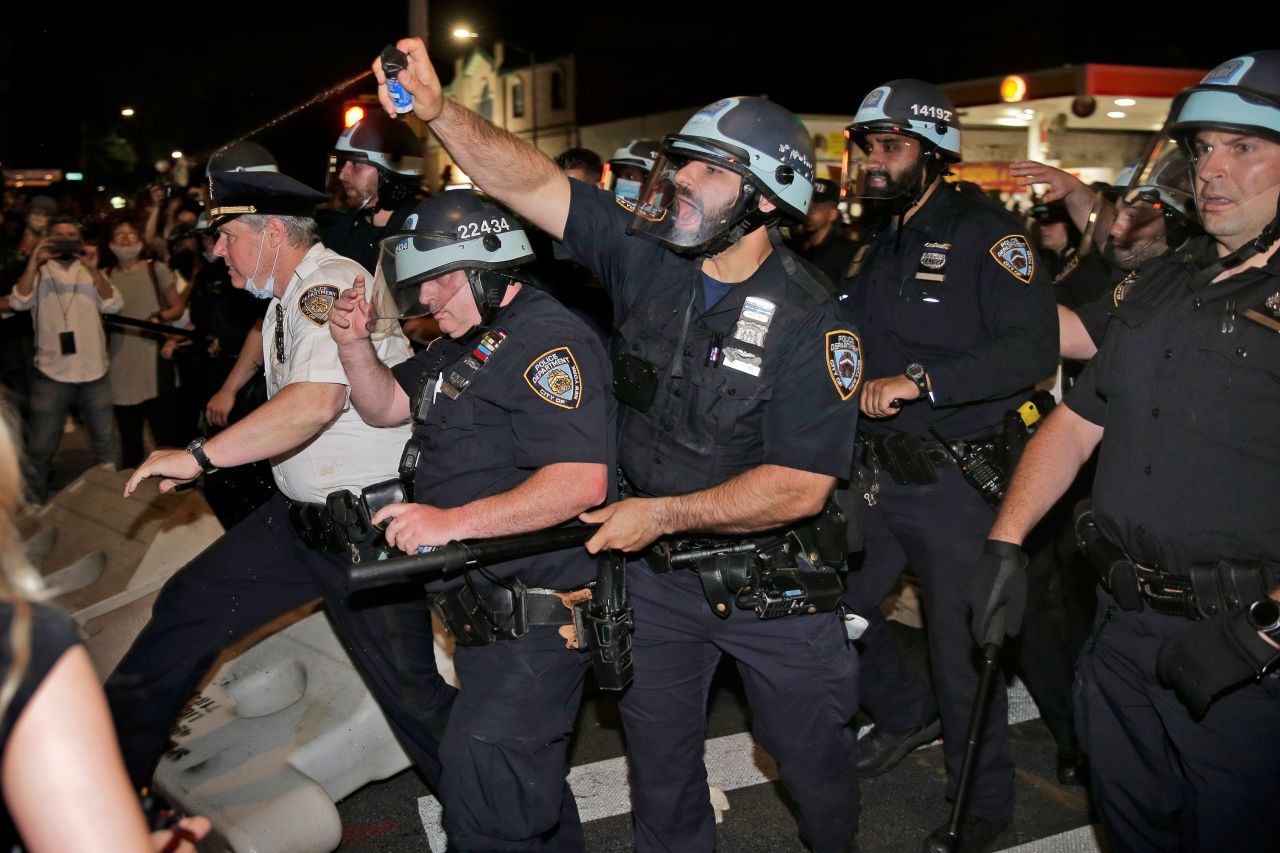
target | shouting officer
x=738, y=378
x=1178, y=702
x=957, y=319
x=292, y=548
x=513, y=412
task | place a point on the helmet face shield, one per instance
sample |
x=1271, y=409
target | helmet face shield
x=405, y=261
x=688, y=203
x=1165, y=174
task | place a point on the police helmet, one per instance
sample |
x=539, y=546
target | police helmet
x=1241, y=95
x=763, y=143
x=457, y=230
x=392, y=148
x=243, y=156
x=381, y=141
x=637, y=153
x=911, y=108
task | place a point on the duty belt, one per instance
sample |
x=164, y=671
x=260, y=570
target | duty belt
x=1208, y=589
x=506, y=612
x=910, y=459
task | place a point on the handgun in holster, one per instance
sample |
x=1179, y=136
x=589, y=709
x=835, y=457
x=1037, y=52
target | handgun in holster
x=605, y=624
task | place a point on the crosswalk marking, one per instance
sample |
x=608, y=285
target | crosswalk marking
x=602, y=789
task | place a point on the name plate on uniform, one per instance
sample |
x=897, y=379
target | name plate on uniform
x=751, y=329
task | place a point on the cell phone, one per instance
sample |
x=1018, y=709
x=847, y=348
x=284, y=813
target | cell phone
x=66, y=248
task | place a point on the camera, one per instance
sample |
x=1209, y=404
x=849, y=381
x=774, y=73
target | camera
x=66, y=249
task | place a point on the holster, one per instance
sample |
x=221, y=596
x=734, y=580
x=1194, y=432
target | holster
x=722, y=577
x=907, y=458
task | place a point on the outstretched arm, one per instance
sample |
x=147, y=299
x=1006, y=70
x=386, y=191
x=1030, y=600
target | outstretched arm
x=503, y=165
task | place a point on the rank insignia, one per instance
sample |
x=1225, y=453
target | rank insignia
x=316, y=302
x=844, y=361
x=933, y=261
x=554, y=377
x=1267, y=314
x=1067, y=270
x=1014, y=254
x=1122, y=288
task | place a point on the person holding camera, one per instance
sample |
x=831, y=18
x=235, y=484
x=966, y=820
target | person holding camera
x=292, y=548
x=67, y=295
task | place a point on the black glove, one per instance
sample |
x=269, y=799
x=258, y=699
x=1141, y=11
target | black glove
x=998, y=594
x=1207, y=657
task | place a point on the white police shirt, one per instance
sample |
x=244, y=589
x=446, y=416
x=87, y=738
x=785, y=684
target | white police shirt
x=348, y=453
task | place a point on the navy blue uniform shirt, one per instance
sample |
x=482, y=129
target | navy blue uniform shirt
x=1187, y=388
x=718, y=413
x=542, y=397
x=961, y=292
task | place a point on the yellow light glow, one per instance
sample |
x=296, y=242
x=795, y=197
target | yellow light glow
x=1013, y=88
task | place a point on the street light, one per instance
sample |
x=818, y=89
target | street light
x=127, y=112
x=463, y=33
x=177, y=155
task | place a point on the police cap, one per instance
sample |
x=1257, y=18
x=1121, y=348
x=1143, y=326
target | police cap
x=265, y=193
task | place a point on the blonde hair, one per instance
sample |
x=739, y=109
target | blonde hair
x=19, y=581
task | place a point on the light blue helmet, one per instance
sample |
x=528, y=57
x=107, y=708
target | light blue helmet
x=1240, y=95
x=911, y=108
x=758, y=139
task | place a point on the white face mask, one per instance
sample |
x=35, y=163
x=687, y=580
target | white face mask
x=126, y=253
x=267, y=289
x=623, y=188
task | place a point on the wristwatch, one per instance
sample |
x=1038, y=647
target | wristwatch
x=196, y=449
x=916, y=373
x=1264, y=616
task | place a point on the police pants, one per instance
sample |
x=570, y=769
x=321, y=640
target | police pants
x=505, y=752
x=257, y=571
x=1161, y=780
x=800, y=674
x=938, y=530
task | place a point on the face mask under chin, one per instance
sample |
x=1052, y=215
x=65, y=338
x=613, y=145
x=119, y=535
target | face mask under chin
x=268, y=289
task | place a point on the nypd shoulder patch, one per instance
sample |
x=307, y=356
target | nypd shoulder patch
x=844, y=361
x=1014, y=254
x=554, y=377
x=316, y=302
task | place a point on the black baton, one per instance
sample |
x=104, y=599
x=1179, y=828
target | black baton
x=469, y=553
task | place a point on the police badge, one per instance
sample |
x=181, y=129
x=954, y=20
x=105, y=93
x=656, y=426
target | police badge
x=316, y=302
x=844, y=361
x=1014, y=254
x=554, y=377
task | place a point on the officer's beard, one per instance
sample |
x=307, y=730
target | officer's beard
x=896, y=196
x=711, y=223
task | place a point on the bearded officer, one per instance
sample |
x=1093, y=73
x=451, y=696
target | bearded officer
x=958, y=321
x=291, y=549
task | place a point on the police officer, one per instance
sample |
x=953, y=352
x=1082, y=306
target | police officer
x=1178, y=703
x=513, y=412
x=958, y=322
x=820, y=240
x=738, y=378
x=291, y=549
x=379, y=167
x=630, y=165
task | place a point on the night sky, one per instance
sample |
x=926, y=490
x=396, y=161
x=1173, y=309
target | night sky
x=197, y=81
